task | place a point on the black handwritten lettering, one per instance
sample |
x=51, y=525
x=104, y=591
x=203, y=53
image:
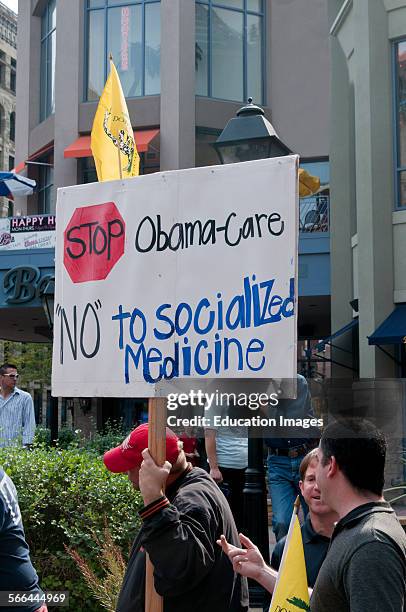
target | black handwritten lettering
x=69, y=325
x=93, y=237
x=151, y=235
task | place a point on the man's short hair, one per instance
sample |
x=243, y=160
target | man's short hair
x=5, y=367
x=359, y=449
x=306, y=461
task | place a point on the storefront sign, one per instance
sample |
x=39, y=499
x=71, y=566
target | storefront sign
x=23, y=284
x=28, y=232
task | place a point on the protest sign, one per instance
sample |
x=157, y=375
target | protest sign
x=181, y=274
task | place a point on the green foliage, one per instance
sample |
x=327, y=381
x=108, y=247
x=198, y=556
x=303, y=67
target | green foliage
x=107, y=588
x=33, y=361
x=68, y=438
x=299, y=603
x=67, y=497
x=112, y=434
x=42, y=437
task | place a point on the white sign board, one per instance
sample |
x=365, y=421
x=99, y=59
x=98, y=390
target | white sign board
x=176, y=275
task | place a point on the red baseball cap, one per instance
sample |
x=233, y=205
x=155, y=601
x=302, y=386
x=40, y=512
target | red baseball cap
x=128, y=455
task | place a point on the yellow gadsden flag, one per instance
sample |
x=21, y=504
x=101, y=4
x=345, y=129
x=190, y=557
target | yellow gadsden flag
x=308, y=184
x=291, y=592
x=112, y=141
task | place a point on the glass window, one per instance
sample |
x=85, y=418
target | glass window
x=127, y=48
x=239, y=4
x=46, y=187
x=229, y=49
x=130, y=30
x=48, y=51
x=2, y=120
x=95, y=81
x=227, y=54
x=12, y=127
x=205, y=153
x=152, y=49
x=255, y=5
x=202, y=50
x=402, y=188
x=11, y=162
x=13, y=75
x=2, y=69
x=87, y=170
x=149, y=163
x=400, y=93
x=314, y=211
x=254, y=57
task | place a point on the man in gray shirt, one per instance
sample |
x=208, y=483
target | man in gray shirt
x=365, y=567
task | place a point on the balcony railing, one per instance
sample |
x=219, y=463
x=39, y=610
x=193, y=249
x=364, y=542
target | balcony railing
x=314, y=214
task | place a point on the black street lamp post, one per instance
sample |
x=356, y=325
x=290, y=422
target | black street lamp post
x=247, y=137
x=48, y=300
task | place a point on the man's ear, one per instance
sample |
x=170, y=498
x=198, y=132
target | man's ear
x=333, y=467
x=301, y=486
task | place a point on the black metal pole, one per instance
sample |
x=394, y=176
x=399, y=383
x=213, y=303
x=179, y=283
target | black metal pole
x=255, y=512
x=54, y=420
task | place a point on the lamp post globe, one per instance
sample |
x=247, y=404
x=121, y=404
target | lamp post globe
x=249, y=136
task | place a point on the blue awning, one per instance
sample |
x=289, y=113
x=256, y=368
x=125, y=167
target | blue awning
x=392, y=330
x=321, y=345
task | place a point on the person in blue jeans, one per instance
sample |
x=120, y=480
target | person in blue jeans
x=284, y=457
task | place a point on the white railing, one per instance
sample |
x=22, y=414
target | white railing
x=314, y=214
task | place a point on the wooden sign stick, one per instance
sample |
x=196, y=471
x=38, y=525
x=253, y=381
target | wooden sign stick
x=157, y=449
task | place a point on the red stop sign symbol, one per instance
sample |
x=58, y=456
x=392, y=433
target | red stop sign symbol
x=93, y=242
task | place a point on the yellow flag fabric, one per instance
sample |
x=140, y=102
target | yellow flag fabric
x=112, y=140
x=308, y=184
x=291, y=593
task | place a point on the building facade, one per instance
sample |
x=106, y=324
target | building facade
x=8, y=68
x=368, y=214
x=186, y=67
x=368, y=222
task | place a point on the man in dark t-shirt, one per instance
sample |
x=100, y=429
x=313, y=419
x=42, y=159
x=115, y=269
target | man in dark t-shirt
x=16, y=570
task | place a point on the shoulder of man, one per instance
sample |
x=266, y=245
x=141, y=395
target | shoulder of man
x=22, y=393
x=9, y=508
x=197, y=493
x=374, y=528
x=385, y=528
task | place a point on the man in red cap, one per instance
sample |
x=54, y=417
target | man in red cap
x=183, y=516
